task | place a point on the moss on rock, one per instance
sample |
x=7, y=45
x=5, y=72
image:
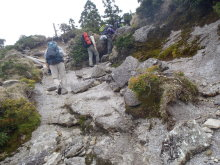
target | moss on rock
x=156, y=91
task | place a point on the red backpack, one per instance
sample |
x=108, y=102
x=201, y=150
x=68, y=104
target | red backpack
x=86, y=40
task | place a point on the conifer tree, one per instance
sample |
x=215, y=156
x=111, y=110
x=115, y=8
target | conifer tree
x=72, y=23
x=111, y=11
x=90, y=18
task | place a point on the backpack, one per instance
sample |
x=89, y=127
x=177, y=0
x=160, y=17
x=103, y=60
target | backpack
x=53, y=55
x=52, y=50
x=102, y=28
x=86, y=40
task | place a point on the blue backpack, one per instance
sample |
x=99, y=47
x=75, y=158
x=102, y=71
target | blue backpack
x=53, y=55
x=52, y=50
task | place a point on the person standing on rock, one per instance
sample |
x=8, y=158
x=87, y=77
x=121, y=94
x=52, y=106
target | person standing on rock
x=109, y=32
x=54, y=58
x=89, y=43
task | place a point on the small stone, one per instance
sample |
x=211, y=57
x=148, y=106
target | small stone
x=53, y=88
x=216, y=160
x=89, y=151
x=212, y=158
x=208, y=152
x=212, y=123
x=217, y=113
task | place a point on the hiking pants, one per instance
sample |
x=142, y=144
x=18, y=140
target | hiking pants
x=59, y=74
x=109, y=44
x=91, y=51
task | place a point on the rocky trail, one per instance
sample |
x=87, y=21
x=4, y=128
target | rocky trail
x=89, y=125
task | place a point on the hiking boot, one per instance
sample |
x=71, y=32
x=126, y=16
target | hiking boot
x=59, y=91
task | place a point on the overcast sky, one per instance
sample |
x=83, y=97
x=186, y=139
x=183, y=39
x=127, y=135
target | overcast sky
x=30, y=17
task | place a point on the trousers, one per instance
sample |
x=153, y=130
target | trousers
x=59, y=74
x=92, y=51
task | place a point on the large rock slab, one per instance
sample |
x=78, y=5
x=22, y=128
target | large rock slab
x=127, y=69
x=120, y=149
x=106, y=108
x=184, y=141
x=203, y=68
x=81, y=86
x=141, y=35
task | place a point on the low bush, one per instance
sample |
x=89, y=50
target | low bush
x=124, y=42
x=18, y=118
x=216, y=8
x=156, y=91
x=29, y=42
x=16, y=66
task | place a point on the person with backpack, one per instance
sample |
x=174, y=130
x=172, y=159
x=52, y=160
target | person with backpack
x=107, y=34
x=110, y=32
x=54, y=58
x=89, y=43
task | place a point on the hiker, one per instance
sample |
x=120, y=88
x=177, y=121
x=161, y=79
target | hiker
x=54, y=58
x=106, y=35
x=110, y=32
x=90, y=44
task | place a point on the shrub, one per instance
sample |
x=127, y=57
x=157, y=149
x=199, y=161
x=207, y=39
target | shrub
x=217, y=8
x=78, y=52
x=30, y=83
x=68, y=35
x=18, y=118
x=29, y=42
x=3, y=139
x=11, y=67
x=4, y=50
x=124, y=42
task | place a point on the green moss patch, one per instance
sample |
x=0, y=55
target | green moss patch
x=182, y=48
x=153, y=48
x=18, y=119
x=149, y=49
x=156, y=91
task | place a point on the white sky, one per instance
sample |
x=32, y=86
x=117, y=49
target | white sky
x=30, y=17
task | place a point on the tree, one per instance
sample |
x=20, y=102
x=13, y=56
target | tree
x=72, y=23
x=2, y=42
x=90, y=17
x=148, y=8
x=127, y=18
x=111, y=11
x=64, y=27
